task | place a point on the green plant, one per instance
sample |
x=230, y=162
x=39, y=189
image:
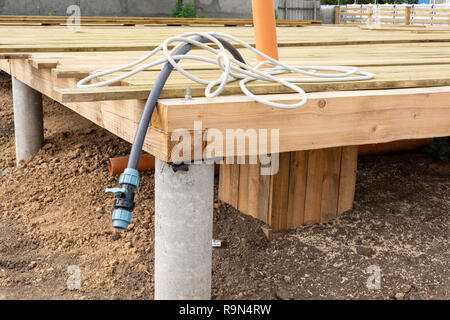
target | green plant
x=440, y=149
x=189, y=11
x=177, y=10
x=276, y=14
x=186, y=10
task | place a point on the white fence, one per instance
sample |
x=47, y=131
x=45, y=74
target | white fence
x=399, y=14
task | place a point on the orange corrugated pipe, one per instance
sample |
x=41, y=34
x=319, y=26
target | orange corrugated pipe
x=117, y=165
x=265, y=27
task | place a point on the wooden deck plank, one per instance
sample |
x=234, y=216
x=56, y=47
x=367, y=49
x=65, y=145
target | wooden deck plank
x=62, y=39
x=99, y=20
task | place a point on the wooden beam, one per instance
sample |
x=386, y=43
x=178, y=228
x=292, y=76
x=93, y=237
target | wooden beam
x=327, y=120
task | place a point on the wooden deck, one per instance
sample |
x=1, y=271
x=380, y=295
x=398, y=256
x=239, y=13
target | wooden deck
x=409, y=98
x=414, y=68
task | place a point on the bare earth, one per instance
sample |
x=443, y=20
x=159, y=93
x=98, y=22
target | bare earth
x=54, y=213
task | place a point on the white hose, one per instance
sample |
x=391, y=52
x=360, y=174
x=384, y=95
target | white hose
x=233, y=69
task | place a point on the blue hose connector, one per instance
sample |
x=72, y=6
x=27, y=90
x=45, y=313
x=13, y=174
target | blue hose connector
x=121, y=219
x=129, y=176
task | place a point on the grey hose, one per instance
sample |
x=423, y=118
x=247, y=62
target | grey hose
x=158, y=86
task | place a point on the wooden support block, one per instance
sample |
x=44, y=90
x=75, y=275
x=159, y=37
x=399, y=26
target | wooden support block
x=234, y=185
x=310, y=187
x=347, y=179
x=279, y=196
x=253, y=189
x=330, y=186
x=264, y=189
x=297, y=188
x=223, y=182
x=243, y=187
x=314, y=182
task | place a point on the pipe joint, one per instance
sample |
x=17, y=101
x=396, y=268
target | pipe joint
x=121, y=219
x=124, y=204
x=130, y=176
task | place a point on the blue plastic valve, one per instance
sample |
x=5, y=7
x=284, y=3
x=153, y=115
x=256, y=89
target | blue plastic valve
x=117, y=191
x=121, y=219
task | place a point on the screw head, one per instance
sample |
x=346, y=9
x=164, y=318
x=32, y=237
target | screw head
x=322, y=103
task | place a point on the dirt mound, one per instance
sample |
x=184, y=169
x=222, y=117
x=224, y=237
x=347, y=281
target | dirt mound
x=54, y=214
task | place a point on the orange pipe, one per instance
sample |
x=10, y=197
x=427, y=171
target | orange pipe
x=265, y=28
x=118, y=165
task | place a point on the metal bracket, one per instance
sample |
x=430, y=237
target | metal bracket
x=180, y=167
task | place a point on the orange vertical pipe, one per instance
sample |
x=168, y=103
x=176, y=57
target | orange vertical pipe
x=265, y=28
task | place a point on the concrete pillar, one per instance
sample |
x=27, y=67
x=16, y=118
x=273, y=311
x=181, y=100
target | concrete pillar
x=28, y=120
x=183, y=232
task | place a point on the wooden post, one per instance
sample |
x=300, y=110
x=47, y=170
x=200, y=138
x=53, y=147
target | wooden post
x=448, y=22
x=310, y=187
x=370, y=15
x=407, y=15
x=337, y=14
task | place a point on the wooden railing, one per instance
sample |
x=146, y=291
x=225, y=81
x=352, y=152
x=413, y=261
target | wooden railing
x=393, y=14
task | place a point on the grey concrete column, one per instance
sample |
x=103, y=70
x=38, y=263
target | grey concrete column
x=28, y=120
x=183, y=232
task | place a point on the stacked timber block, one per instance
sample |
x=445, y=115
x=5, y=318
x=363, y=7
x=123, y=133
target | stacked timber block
x=310, y=187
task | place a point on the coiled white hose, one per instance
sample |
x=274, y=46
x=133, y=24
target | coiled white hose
x=233, y=69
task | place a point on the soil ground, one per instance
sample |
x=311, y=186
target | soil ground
x=54, y=214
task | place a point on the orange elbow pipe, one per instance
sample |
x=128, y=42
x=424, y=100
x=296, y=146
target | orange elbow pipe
x=118, y=165
x=265, y=28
